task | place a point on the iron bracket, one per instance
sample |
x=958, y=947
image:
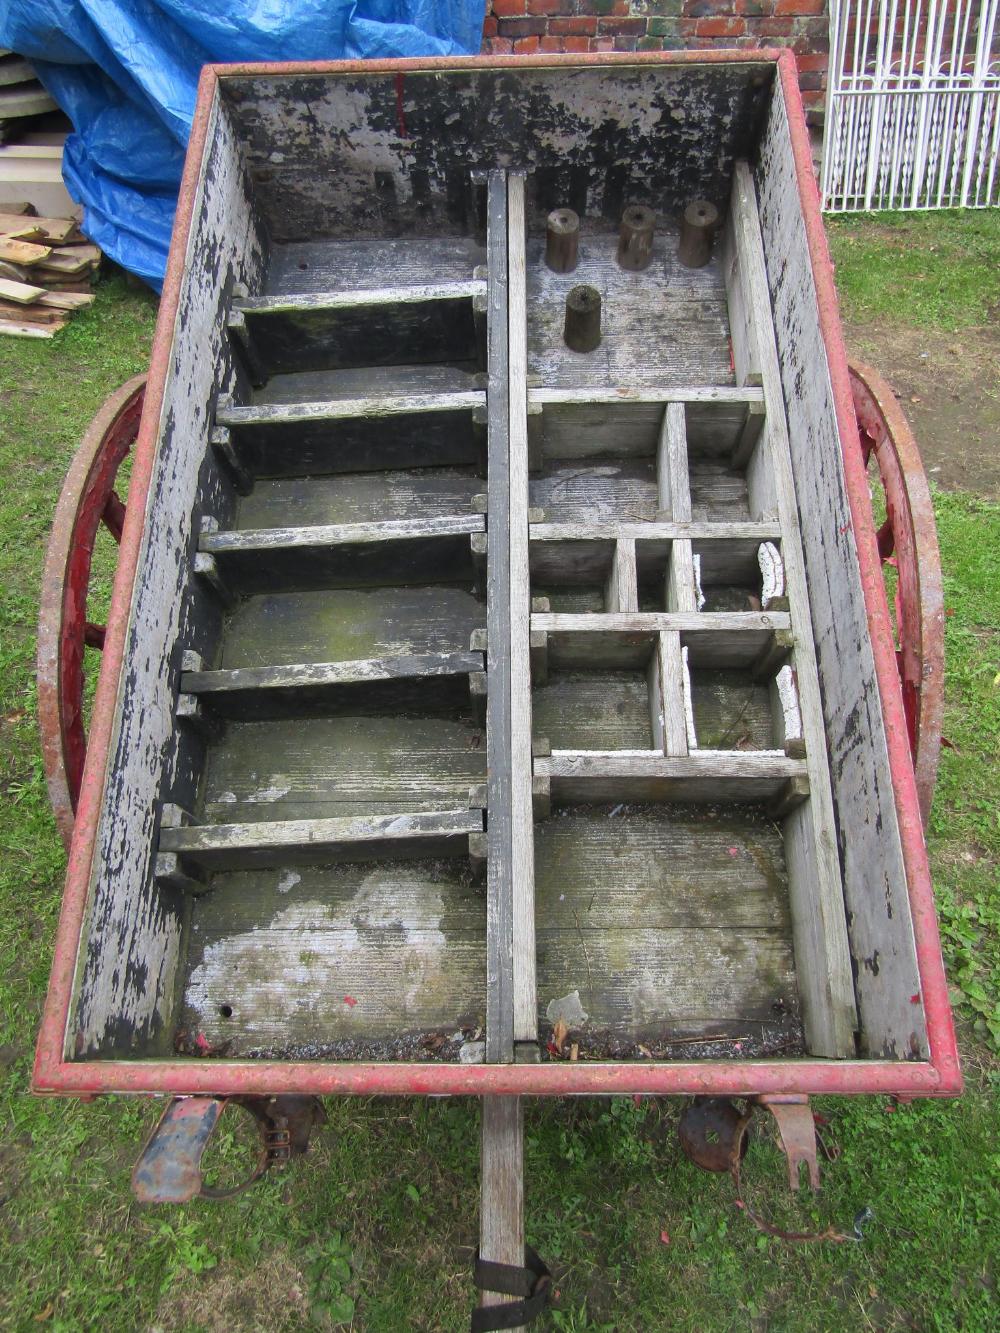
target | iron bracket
x=797, y=1131
x=169, y=1167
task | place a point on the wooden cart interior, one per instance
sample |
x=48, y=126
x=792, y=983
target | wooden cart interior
x=472, y=683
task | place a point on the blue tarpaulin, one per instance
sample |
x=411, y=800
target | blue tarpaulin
x=126, y=72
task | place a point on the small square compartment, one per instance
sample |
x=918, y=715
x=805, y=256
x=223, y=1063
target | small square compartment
x=571, y=576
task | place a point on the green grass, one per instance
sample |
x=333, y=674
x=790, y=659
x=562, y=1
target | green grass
x=925, y=270
x=382, y=1213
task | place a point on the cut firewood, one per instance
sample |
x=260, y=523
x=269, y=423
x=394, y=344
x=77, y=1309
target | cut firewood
x=23, y=252
x=60, y=231
x=66, y=300
x=30, y=314
x=23, y=293
x=23, y=330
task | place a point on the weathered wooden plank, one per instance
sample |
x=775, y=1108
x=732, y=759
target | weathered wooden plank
x=405, y=551
x=880, y=923
x=347, y=838
x=57, y=230
x=645, y=983
x=313, y=768
x=726, y=395
x=694, y=623
x=342, y=534
x=426, y=681
x=820, y=928
x=418, y=183
x=524, y=997
x=25, y=329
x=501, y=1170
x=594, y=710
x=673, y=487
x=346, y=384
x=597, y=491
x=376, y=327
x=360, y=497
x=621, y=591
x=23, y=252
x=719, y=492
x=316, y=958
x=648, y=533
x=667, y=694
x=648, y=776
x=128, y=980
x=499, y=874
x=357, y=434
x=356, y=264
x=22, y=293
x=660, y=868
x=348, y=624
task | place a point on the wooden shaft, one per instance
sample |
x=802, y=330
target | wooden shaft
x=635, y=239
x=698, y=226
x=582, y=332
x=562, y=240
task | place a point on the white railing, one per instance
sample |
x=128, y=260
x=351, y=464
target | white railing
x=913, y=105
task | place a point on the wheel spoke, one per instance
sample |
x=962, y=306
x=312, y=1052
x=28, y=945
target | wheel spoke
x=113, y=516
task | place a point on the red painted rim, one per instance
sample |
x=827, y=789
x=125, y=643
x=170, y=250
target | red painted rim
x=908, y=539
x=87, y=500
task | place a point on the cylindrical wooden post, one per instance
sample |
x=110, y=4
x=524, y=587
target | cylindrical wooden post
x=635, y=240
x=562, y=239
x=583, y=319
x=698, y=227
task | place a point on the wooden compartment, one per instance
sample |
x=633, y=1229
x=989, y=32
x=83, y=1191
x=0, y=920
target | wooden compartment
x=453, y=671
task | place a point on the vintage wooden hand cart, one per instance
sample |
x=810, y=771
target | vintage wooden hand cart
x=477, y=714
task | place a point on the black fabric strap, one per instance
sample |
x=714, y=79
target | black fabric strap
x=532, y=1283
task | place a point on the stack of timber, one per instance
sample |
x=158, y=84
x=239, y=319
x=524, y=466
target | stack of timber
x=22, y=97
x=46, y=269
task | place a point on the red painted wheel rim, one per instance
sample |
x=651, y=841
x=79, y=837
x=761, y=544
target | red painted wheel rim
x=908, y=540
x=87, y=500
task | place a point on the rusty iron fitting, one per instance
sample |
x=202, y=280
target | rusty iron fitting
x=713, y=1133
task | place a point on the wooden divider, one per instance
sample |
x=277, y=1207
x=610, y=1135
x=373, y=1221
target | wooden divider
x=822, y=952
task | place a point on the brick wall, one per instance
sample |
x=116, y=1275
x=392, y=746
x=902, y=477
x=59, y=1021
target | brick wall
x=525, y=26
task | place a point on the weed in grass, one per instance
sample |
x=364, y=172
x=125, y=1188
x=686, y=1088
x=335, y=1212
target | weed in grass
x=328, y=1271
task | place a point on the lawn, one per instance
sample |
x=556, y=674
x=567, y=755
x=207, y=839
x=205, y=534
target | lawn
x=380, y=1218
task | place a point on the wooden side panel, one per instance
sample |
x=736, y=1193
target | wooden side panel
x=879, y=921
x=402, y=145
x=127, y=980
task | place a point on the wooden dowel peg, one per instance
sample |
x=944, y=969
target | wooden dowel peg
x=582, y=332
x=698, y=227
x=635, y=240
x=562, y=240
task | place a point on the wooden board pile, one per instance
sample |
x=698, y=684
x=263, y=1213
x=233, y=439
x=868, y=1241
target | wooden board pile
x=46, y=268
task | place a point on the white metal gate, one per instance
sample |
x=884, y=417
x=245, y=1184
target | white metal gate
x=913, y=107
